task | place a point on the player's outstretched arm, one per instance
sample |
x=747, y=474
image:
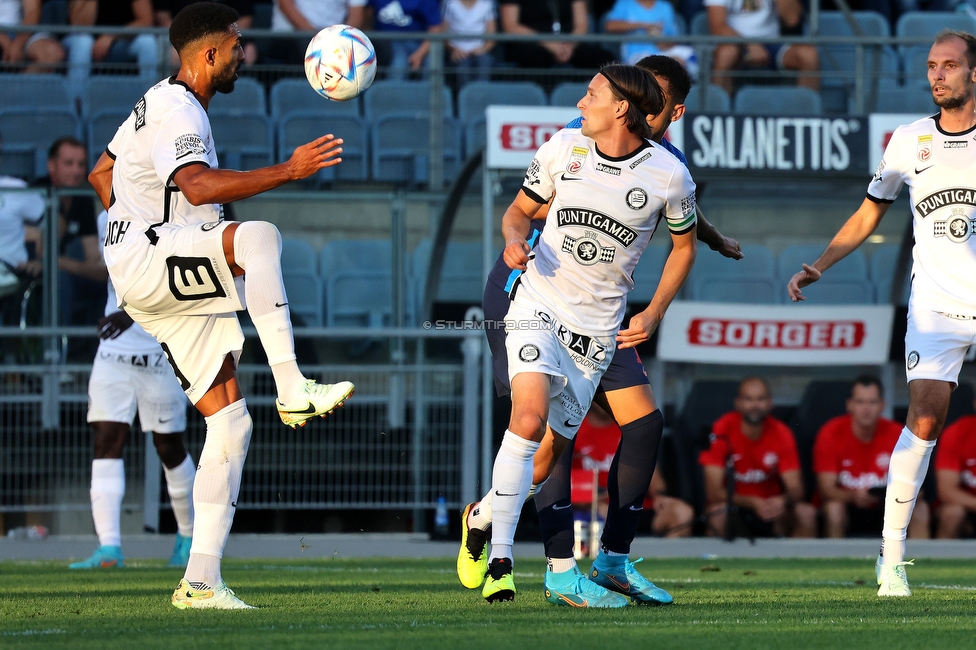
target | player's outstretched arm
x=201, y=184
x=851, y=235
x=711, y=237
x=515, y=228
x=101, y=178
x=676, y=270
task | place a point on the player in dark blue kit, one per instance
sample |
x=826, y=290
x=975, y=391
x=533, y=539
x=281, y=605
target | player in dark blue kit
x=624, y=391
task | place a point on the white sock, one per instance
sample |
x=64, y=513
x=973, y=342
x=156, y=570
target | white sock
x=215, y=489
x=179, y=484
x=510, y=483
x=107, y=490
x=906, y=471
x=480, y=515
x=257, y=250
x=560, y=564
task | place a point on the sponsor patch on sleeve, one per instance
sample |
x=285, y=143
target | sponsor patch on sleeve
x=532, y=173
x=688, y=204
x=189, y=145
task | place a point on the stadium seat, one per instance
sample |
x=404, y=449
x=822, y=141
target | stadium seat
x=247, y=99
x=884, y=261
x=777, y=100
x=300, y=127
x=475, y=96
x=358, y=280
x=48, y=92
x=699, y=24
x=647, y=274
x=929, y=23
x=915, y=58
x=750, y=280
x=400, y=148
x=243, y=141
x=837, y=62
x=821, y=401
x=27, y=136
x=568, y=93
x=347, y=255
x=116, y=93
x=388, y=96
x=304, y=292
x=706, y=402
x=910, y=99
x=101, y=129
x=716, y=99
x=792, y=258
x=295, y=95
x=461, y=281
x=298, y=256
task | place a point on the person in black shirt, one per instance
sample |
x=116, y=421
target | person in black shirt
x=550, y=17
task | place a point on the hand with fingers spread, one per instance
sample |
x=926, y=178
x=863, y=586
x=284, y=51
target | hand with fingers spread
x=317, y=154
x=516, y=254
x=807, y=276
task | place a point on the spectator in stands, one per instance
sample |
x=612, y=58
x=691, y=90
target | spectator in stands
x=20, y=246
x=760, y=451
x=166, y=9
x=38, y=52
x=83, y=281
x=403, y=56
x=471, y=18
x=554, y=17
x=955, y=480
x=595, y=445
x=110, y=48
x=309, y=16
x=850, y=459
x=647, y=18
x=760, y=19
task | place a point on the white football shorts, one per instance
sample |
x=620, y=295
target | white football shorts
x=537, y=342
x=936, y=344
x=187, y=299
x=121, y=384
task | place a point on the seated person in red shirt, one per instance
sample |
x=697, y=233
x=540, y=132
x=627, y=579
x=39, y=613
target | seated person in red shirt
x=955, y=479
x=768, y=489
x=594, y=446
x=850, y=459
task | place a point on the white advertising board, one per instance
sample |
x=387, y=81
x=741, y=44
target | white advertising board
x=779, y=335
x=516, y=132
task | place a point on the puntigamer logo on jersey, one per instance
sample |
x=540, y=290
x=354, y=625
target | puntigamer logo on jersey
x=949, y=197
x=188, y=145
x=598, y=221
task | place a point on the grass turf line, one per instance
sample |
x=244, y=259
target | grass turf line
x=395, y=603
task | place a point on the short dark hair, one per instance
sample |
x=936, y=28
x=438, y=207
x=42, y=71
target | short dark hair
x=679, y=81
x=867, y=380
x=199, y=20
x=65, y=141
x=642, y=92
x=966, y=37
x=752, y=378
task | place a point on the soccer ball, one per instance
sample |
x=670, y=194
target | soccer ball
x=340, y=62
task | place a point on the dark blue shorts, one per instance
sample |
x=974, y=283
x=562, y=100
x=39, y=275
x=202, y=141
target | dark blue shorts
x=626, y=369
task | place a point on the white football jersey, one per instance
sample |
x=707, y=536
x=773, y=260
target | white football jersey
x=135, y=340
x=940, y=171
x=166, y=131
x=602, y=218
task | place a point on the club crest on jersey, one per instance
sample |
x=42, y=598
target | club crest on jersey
x=576, y=159
x=958, y=227
x=587, y=249
x=529, y=353
x=924, y=150
x=636, y=198
x=912, y=360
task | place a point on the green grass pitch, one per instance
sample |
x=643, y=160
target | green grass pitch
x=390, y=603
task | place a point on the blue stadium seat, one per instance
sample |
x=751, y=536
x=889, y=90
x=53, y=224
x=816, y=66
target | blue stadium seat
x=304, y=291
x=47, y=92
x=247, y=99
x=647, y=274
x=792, y=259
x=883, y=263
x=104, y=93
x=349, y=255
x=568, y=93
x=716, y=99
x=298, y=256
x=300, y=127
x=101, y=129
x=910, y=99
x=400, y=147
x=388, y=96
x=475, y=138
x=475, y=96
x=461, y=279
x=27, y=136
x=837, y=291
x=699, y=24
x=929, y=23
x=243, y=141
x=358, y=280
x=777, y=100
x=291, y=95
x=752, y=279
